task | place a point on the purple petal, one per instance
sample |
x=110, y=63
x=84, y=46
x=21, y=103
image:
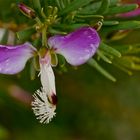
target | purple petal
x=78, y=46
x=14, y=58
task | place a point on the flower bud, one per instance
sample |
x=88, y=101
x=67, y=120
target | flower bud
x=27, y=11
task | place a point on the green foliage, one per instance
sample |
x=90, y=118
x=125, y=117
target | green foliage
x=121, y=9
x=64, y=16
x=104, y=7
x=74, y=5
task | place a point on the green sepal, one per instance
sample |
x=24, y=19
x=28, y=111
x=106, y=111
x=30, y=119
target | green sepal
x=54, y=59
x=32, y=70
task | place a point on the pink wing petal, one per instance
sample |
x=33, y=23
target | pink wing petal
x=14, y=58
x=78, y=46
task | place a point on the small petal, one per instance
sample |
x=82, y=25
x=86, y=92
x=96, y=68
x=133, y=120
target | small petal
x=44, y=104
x=14, y=58
x=47, y=78
x=77, y=47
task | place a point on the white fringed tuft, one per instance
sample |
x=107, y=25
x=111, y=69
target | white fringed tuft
x=42, y=108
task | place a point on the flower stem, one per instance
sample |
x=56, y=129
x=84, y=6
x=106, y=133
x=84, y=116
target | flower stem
x=42, y=27
x=44, y=37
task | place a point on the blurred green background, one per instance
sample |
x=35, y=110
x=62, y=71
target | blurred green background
x=90, y=107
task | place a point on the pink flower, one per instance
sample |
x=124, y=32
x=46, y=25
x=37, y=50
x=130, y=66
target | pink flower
x=77, y=48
